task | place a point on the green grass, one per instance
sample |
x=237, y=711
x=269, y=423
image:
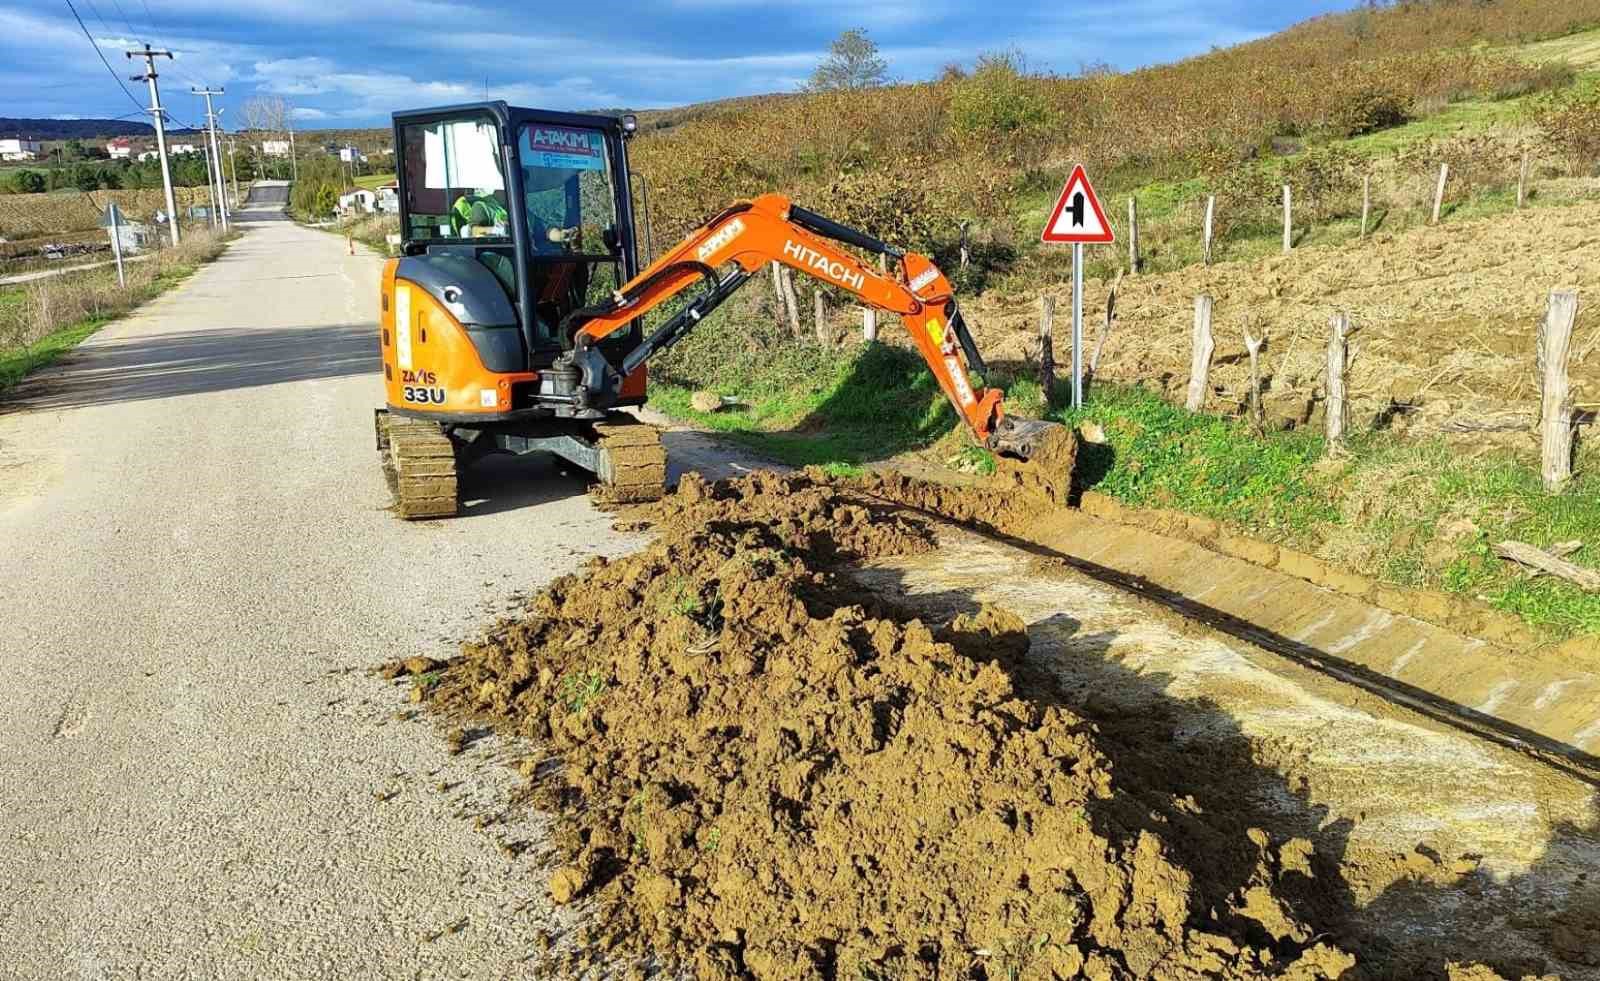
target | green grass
x=805, y=406
x=1581, y=50
x=374, y=181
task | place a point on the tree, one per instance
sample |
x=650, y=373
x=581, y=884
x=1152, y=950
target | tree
x=267, y=117
x=852, y=63
x=26, y=182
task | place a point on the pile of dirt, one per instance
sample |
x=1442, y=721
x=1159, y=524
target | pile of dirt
x=756, y=775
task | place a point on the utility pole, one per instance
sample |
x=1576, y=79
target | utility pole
x=214, y=154
x=233, y=165
x=150, y=55
x=294, y=159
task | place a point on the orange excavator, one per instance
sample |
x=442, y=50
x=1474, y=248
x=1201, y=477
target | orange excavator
x=514, y=319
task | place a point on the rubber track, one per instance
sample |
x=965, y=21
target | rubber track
x=420, y=463
x=633, y=463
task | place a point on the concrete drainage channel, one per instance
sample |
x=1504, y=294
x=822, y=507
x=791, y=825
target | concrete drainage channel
x=1453, y=784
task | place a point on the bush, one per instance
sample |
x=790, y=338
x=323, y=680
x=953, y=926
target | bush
x=998, y=100
x=1571, y=123
x=1371, y=109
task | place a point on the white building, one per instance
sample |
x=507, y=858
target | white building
x=389, y=198
x=349, y=154
x=359, y=200
x=20, y=148
x=275, y=148
x=177, y=148
x=120, y=148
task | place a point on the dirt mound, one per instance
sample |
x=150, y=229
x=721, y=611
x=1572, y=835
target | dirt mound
x=762, y=778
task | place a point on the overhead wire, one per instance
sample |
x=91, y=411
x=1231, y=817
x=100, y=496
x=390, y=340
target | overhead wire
x=90, y=37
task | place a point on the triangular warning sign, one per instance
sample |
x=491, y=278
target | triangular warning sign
x=1077, y=217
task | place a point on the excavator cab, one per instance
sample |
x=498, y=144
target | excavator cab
x=512, y=320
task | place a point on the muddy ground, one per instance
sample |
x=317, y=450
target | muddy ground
x=761, y=769
x=1444, y=319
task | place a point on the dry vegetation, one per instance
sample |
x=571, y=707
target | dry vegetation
x=35, y=311
x=968, y=146
x=25, y=216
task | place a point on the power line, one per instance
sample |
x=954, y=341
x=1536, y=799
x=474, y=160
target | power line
x=125, y=20
x=114, y=76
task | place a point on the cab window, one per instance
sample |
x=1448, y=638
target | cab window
x=454, y=181
x=566, y=179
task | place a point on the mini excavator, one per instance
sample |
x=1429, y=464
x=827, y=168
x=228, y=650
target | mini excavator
x=513, y=320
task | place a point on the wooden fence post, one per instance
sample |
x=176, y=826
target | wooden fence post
x=1133, y=236
x=1522, y=183
x=1047, y=349
x=1105, y=329
x=1338, y=356
x=819, y=310
x=966, y=253
x=1258, y=420
x=1438, y=194
x=1201, y=348
x=1211, y=210
x=791, y=302
x=1366, y=203
x=869, y=324
x=1288, y=220
x=1552, y=353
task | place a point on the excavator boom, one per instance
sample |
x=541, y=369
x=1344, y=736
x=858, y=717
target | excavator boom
x=770, y=228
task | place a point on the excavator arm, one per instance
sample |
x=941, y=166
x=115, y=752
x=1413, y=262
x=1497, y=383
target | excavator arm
x=771, y=229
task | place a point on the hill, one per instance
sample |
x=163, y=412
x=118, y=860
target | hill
x=72, y=129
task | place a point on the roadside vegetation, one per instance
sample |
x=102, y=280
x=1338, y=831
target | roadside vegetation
x=44, y=319
x=1386, y=95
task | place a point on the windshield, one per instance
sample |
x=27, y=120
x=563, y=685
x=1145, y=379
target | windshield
x=455, y=187
x=566, y=179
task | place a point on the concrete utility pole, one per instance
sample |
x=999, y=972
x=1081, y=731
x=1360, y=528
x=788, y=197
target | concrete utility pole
x=294, y=160
x=233, y=166
x=150, y=55
x=214, y=154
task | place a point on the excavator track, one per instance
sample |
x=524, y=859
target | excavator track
x=419, y=461
x=633, y=463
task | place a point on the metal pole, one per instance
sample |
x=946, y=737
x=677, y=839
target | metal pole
x=294, y=160
x=116, y=242
x=149, y=55
x=233, y=165
x=1077, y=325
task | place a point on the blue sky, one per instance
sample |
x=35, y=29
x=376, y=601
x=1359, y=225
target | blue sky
x=350, y=64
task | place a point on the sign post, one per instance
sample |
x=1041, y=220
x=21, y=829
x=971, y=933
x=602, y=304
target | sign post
x=1077, y=220
x=114, y=220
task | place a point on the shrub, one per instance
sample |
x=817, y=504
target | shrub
x=1371, y=109
x=1571, y=123
x=998, y=100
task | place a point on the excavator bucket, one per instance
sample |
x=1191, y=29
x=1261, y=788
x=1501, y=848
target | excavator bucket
x=1039, y=456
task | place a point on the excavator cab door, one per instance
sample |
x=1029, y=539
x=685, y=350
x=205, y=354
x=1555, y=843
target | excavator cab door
x=540, y=199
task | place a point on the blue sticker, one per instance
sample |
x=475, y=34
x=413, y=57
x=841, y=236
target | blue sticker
x=562, y=147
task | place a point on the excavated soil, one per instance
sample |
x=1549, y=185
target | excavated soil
x=759, y=772
x=1444, y=319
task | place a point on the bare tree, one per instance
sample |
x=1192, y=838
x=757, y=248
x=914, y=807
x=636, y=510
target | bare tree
x=852, y=63
x=264, y=116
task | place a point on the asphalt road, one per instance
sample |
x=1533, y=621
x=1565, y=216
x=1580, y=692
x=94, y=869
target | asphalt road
x=198, y=777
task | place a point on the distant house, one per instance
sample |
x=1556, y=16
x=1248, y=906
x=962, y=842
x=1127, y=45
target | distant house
x=358, y=201
x=389, y=198
x=275, y=148
x=178, y=148
x=20, y=148
x=349, y=154
x=148, y=155
x=119, y=148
